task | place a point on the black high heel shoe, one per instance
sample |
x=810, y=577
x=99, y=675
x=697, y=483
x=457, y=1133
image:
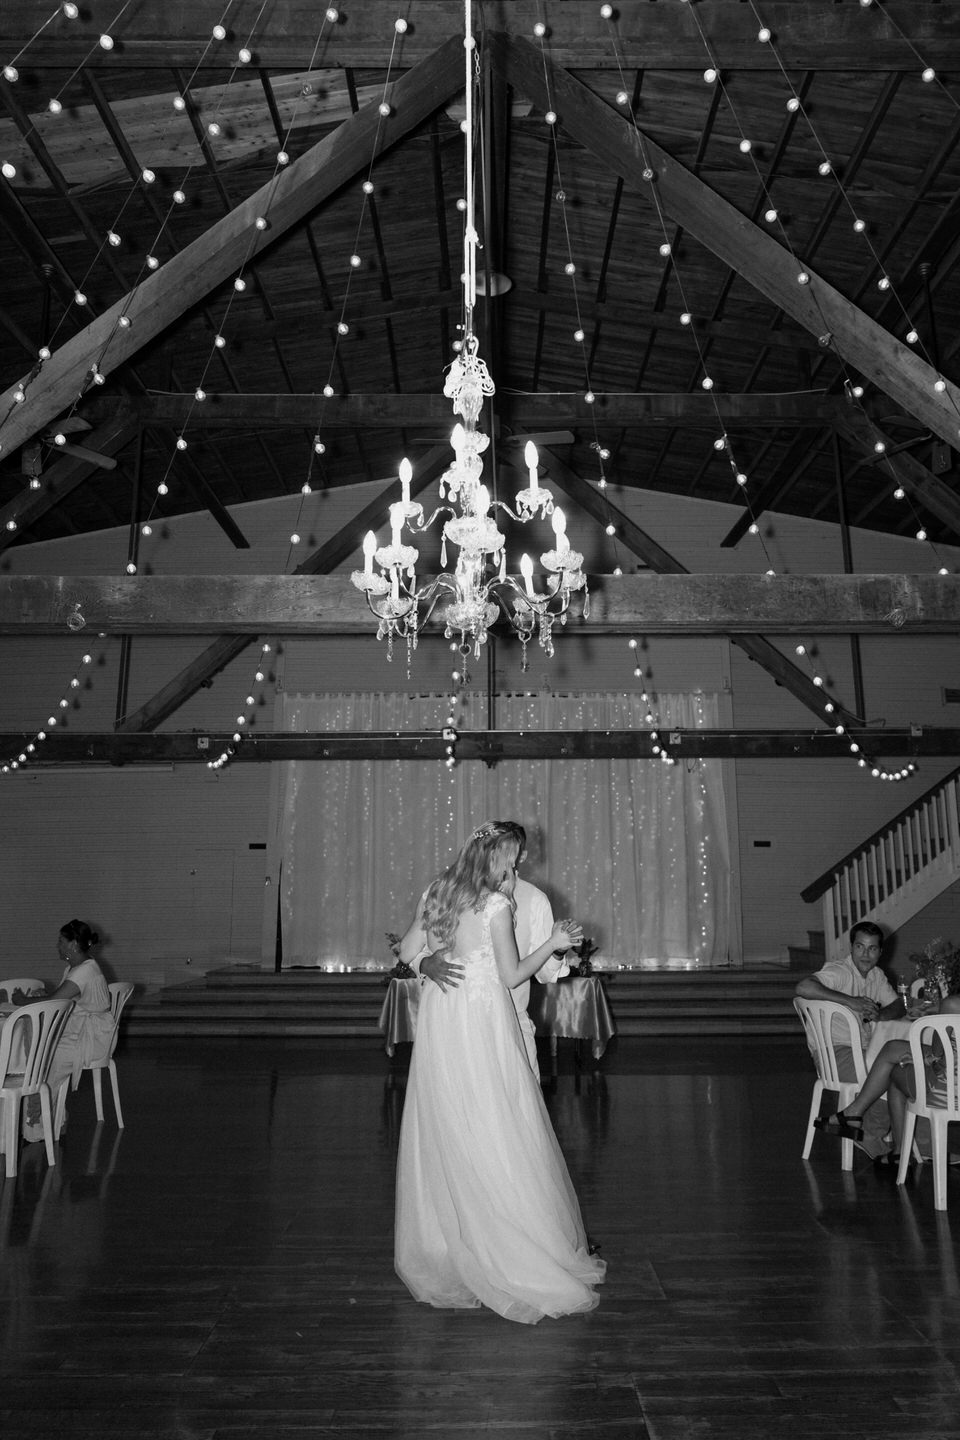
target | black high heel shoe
x=847, y=1128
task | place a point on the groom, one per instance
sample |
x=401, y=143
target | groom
x=533, y=925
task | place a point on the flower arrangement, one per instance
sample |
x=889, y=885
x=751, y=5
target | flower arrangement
x=401, y=970
x=584, y=950
x=938, y=965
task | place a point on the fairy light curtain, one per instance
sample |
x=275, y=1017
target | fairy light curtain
x=635, y=849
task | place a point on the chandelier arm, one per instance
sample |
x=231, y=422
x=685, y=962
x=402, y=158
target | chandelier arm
x=440, y=510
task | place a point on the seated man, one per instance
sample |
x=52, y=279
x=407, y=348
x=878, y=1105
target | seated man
x=860, y=985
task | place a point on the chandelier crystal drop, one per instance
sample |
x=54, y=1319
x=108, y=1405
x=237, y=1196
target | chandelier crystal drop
x=477, y=591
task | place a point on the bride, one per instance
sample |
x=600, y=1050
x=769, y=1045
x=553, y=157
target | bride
x=486, y=1212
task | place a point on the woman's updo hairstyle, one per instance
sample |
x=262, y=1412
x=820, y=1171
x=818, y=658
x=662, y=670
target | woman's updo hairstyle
x=79, y=931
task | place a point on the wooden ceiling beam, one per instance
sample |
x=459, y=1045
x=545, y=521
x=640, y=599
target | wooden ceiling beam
x=676, y=603
x=185, y=748
x=370, y=412
x=783, y=671
x=227, y=647
x=926, y=488
x=763, y=263
x=816, y=35
x=226, y=246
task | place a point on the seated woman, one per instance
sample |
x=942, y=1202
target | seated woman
x=88, y=1032
x=892, y=1074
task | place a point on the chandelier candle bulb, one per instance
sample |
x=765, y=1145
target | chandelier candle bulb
x=560, y=530
x=369, y=550
x=526, y=570
x=406, y=474
x=532, y=460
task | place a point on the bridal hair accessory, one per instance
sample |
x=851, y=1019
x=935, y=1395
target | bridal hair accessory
x=490, y=828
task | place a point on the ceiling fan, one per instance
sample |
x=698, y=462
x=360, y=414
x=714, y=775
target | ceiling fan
x=32, y=455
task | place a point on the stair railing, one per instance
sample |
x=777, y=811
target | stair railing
x=897, y=871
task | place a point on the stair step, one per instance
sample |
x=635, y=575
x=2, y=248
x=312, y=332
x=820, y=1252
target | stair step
x=314, y=1004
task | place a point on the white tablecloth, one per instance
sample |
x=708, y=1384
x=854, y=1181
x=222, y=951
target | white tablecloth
x=883, y=1031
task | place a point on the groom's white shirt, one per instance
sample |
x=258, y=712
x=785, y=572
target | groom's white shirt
x=533, y=926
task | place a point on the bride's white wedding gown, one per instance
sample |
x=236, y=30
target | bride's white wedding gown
x=486, y=1212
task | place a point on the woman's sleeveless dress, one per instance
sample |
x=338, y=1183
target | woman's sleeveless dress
x=486, y=1212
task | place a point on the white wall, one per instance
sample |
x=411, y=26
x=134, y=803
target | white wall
x=161, y=861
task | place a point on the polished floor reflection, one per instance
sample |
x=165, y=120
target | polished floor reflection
x=222, y=1268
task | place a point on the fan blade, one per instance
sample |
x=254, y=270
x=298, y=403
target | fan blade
x=80, y=452
x=71, y=425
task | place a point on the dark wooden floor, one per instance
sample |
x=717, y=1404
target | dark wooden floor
x=223, y=1268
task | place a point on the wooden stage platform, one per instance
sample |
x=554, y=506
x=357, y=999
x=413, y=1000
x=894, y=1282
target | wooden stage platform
x=235, y=1001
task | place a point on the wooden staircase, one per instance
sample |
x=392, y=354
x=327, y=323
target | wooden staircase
x=897, y=871
x=312, y=1004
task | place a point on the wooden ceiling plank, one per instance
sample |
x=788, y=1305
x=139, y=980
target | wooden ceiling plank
x=816, y=36
x=196, y=481
x=64, y=747
x=313, y=603
x=765, y=264
x=29, y=132
x=936, y=248
x=371, y=412
x=187, y=277
x=39, y=254
x=226, y=648
x=556, y=305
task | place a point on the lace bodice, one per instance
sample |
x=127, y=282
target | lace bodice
x=481, y=977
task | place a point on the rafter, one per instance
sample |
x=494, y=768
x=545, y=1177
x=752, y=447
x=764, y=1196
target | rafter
x=776, y=664
x=718, y=225
x=822, y=36
x=190, y=275
x=219, y=654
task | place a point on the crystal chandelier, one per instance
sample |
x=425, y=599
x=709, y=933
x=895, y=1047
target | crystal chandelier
x=477, y=591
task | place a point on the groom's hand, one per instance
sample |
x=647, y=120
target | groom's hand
x=441, y=971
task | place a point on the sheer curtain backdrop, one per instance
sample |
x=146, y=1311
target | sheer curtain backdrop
x=636, y=850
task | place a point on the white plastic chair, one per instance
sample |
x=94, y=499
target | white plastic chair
x=27, y=987
x=928, y=1030
x=119, y=995
x=817, y=1018
x=31, y=1033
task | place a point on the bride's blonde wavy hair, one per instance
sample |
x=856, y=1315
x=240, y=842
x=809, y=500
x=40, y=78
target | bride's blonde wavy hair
x=481, y=866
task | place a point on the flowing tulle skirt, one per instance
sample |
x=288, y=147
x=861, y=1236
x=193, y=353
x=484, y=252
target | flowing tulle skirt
x=486, y=1212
